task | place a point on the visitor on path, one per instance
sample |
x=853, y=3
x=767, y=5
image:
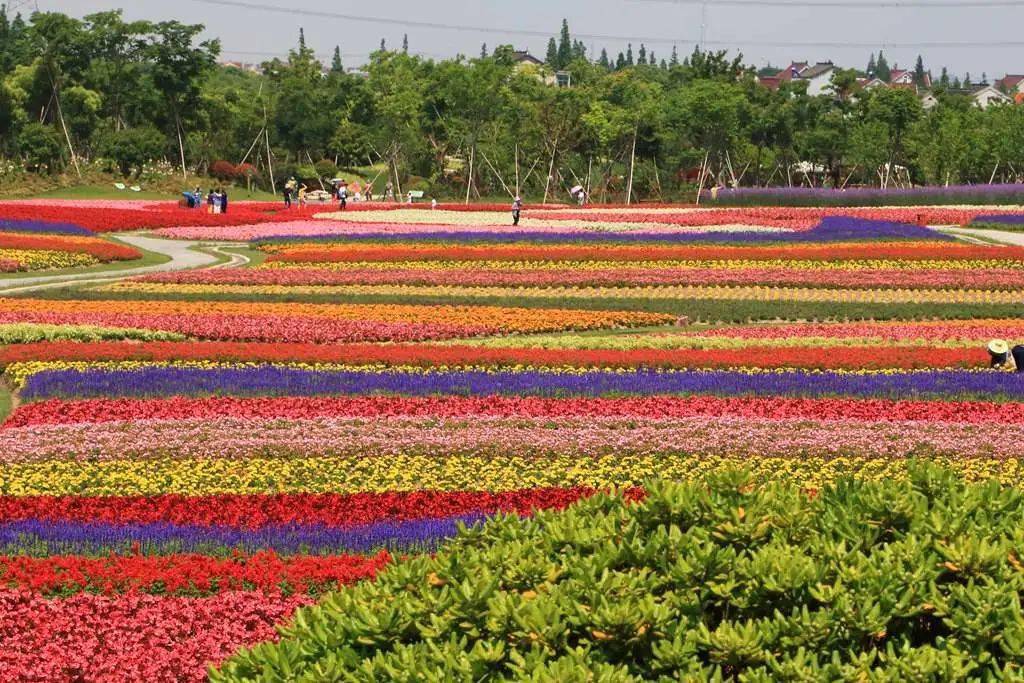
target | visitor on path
x=211, y=201
x=433, y=203
x=343, y=196
x=1004, y=358
x=369, y=193
x=517, y=207
x=389, y=192
x=287, y=197
x=223, y=201
x=302, y=195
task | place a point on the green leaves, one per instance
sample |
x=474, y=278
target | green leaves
x=913, y=581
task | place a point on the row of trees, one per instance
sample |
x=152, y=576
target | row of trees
x=137, y=91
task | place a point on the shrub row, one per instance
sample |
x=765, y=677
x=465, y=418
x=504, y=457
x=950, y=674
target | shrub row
x=894, y=580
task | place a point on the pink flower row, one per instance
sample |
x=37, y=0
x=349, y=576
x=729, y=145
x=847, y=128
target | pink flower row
x=944, y=330
x=228, y=437
x=132, y=637
x=997, y=278
x=268, y=328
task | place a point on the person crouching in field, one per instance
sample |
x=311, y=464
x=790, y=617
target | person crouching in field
x=1004, y=358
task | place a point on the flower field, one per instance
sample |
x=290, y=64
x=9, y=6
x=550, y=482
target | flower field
x=192, y=456
x=32, y=245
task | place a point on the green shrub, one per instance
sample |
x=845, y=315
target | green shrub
x=27, y=333
x=917, y=580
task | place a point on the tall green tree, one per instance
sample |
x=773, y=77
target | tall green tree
x=564, y=46
x=178, y=66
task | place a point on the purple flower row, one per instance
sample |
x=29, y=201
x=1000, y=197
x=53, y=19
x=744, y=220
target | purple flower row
x=861, y=196
x=271, y=380
x=40, y=538
x=831, y=229
x=11, y=225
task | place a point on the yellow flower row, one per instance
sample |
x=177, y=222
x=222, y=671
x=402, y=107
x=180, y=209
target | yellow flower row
x=413, y=472
x=668, y=341
x=733, y=264
x=46, y=260
x=725, y=293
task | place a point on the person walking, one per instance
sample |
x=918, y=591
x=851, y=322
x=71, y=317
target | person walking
x=343, y=197
x=211, y=201
x=223, y=201
x=287, y=197
x=517, y=207
x=302, y=195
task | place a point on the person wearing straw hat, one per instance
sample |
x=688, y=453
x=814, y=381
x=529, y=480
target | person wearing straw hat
x=1001, y=357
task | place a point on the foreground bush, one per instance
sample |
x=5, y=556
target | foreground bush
x=914, y=580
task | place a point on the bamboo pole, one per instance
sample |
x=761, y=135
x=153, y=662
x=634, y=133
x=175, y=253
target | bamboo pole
x=517, y=170
x=700, y=185
x=498, y=175
x=632, y=165
x=469, y=177
x=991, y=178
x=67, y=136
x=590, y=168
x=850, y=175
x=251, y=147
x=551, y=170
x=270, y=165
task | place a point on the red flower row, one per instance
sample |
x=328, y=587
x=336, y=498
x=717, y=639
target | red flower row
x=132, y=637
x=156, y=215
x=650, y=407
x=186, y=574
x=99, y=248
x=852, y=358
x=917, y=251
x=252, y=512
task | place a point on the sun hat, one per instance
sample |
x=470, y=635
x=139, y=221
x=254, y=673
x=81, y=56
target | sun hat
x=998, y=347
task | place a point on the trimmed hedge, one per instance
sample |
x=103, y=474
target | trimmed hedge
x=895, y=580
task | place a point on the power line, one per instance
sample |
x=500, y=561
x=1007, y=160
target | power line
x=848, y=4
x=674, y=41
x=388, y=21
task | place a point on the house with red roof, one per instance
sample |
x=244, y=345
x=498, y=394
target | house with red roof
x=1011, y=84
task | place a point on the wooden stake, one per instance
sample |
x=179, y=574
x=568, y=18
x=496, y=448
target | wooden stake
x=991, y=178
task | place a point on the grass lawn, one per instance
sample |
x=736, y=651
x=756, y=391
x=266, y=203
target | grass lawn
x=111, y=192
x=5, y=401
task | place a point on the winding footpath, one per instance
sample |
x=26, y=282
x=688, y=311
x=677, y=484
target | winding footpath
x=1002, y=236
x=183, y=255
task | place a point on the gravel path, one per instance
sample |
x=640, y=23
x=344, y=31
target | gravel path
x=182, y=256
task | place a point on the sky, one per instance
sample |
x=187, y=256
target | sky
x=765, y=35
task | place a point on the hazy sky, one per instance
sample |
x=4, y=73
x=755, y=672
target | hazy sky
x=764, y=34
